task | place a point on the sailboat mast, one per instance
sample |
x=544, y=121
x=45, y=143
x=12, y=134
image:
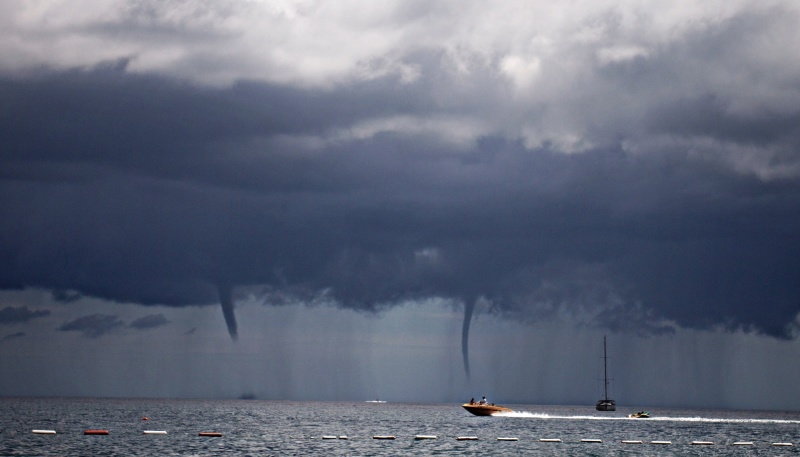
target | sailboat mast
x=605, y=404
x=605, y=369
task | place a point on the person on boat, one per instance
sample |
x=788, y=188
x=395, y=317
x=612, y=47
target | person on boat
x=483, y=401
x=472, y=401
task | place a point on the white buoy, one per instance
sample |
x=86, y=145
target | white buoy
x=591, y=440
x=467, y=438
x=328, y=437
x=343, y=437
x=44, y=432
x=631, y=441
x=425, y=437
x=549, y=440
x=743, y=443
x=782, y=444
x=155, y=432
x=661, y=442
x=505, y=438
x=383, y=437
x=702, y=443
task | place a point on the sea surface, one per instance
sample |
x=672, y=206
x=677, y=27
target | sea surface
x=281, y=428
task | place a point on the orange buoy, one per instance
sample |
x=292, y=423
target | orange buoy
x=145, y=418
x=95, y=432
x=217, y=434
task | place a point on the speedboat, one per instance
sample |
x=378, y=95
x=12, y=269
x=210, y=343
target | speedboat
x=639, y=415
x=485, y=409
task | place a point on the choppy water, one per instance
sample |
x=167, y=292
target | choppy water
x=254, y=427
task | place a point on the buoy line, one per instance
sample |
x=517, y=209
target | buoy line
x=459, y=438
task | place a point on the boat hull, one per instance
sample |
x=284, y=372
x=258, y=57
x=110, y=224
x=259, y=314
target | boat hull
x=606, y=405
x=485, y=410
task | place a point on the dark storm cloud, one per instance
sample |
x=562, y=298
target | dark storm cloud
x=149, y=321
x=66, y=296
x=93, y=326
x=12, y=336
x=17, y=315
x=143, y=189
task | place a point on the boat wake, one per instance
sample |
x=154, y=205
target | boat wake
x=529, y=415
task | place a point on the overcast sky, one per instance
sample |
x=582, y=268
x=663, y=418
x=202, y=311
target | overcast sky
x=420, y=201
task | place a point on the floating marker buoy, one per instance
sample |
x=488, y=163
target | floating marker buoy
x=631, y=442
x=661, y=442
x=702, y=443
x=743, y=443
x=467, y=438
x=782, y=444
x=425, y=437
x=145, y=419
x=213, y=434
x=155, y=432
x=343, y=437
x=44, y=432
x=383, y=437
x=503, y=438
x=591, y=440
x=549, y=440
x=95, y=432
x=328, y=437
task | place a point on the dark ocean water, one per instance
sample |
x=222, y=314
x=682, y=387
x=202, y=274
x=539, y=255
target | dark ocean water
x=264, y=428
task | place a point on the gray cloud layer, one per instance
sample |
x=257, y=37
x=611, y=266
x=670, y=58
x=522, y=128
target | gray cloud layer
x=92, y=326
x=149, y=321
x=18, y=315
x=12, y=336
x=657, y=183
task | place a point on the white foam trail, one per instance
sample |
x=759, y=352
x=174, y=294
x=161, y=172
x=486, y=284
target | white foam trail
x=529, y=415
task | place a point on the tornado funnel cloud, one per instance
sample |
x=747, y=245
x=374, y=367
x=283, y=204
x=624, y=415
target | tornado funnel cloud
x=469, y=307
x=226, y=300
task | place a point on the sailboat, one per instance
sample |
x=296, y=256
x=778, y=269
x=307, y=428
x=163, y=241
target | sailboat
x=606, y=404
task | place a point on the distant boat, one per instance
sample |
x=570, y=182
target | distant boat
x=376, y=401
x=606, y=404
x=482, y=408
x=639, y=415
